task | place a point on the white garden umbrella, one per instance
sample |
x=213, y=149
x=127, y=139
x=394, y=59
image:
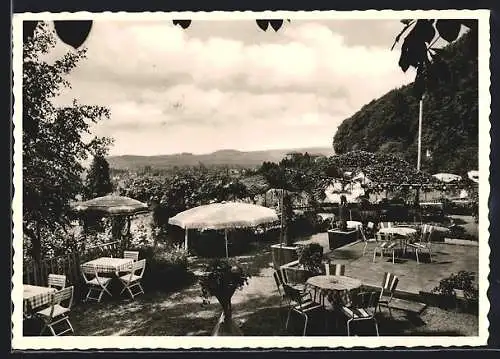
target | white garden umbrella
x=447, y=177
x=223, y=215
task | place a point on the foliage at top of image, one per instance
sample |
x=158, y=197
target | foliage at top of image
x=53, y=148
x=389, y=125
x=417, y=49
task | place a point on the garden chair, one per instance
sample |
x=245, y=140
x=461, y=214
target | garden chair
x=98, y=285
x=57, y=281
x=284, y=280
x=385, y=244
x=364, y=238
x=364, y=307
x=388, y=287
x=132, y=279
x=300, y=304
x=425, y=242
x=131, y=255
x=334, y=269
x=385, y=224
x=57, y=312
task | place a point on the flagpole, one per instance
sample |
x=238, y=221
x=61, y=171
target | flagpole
x=419, y=155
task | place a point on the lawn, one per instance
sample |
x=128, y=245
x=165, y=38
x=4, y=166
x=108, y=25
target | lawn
x=256, y=309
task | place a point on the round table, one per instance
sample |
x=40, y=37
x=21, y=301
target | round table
x=354, y=224
x=402, y=231
x=338, y=290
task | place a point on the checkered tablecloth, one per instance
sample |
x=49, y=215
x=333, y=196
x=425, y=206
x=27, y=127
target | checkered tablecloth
x=336, y=290
x=107, y=265
x=35, y=296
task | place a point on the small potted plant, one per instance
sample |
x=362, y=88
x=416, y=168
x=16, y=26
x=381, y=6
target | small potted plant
x=308, y=264
x=461, y=284
x=221, y=280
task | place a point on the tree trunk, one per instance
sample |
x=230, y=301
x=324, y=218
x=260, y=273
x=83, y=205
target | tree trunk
x=228, y=317
x=225, y=325
x=36, y=250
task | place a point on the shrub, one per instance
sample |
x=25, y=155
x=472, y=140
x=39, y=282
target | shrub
x=463, y=280
x=166, y=268
x=311, y=257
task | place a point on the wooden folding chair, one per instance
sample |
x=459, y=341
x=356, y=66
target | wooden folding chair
x=97, y=285
x=57, y=281
x=131, y=255
x=58, y=313
x=132, y=280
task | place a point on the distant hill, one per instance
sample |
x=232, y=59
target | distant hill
x=246, y=159
x=450, y=118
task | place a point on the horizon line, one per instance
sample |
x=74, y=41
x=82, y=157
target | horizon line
x=224, y=149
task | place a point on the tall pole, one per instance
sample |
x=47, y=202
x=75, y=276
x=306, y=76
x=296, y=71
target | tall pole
x=419, y=155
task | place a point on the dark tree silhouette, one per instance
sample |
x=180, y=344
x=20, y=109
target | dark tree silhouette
x=98, y=182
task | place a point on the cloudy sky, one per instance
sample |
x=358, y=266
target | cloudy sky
x=229, y=85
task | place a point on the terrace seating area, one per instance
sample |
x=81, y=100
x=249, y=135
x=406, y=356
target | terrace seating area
x=355, y=293
x=44, y=303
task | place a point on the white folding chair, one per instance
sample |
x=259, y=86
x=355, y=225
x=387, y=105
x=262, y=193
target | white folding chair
x=97, y=285
x=57, y=312
x=57, y=281
x=132, y=280
x=131, y=255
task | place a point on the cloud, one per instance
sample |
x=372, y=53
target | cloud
x=292, y=89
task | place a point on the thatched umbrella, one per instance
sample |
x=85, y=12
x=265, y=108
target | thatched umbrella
x=112, y=206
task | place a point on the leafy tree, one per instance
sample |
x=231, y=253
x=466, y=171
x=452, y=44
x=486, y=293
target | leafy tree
x=53, y=148
x=450, y=118
x=98, y=182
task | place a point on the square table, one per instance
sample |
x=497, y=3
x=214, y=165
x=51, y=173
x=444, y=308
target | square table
x=35, y=296
x=108, y=265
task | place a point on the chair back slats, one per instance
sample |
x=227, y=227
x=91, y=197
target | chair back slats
x=57, y=280
x=334, y=269
x=131, y=255
x=136, y=266
x=385, y=224
x=365, y=300
x=363, y=235
x=284, y=276
x=292, y=293
x=277, y=279
x=389, y=283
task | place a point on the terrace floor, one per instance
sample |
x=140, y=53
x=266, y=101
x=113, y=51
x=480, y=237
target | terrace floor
x=413, y=277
